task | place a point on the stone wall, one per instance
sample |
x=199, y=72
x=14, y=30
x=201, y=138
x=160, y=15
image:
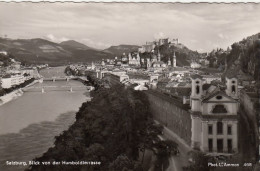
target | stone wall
x=171, y=113
x=249, y=107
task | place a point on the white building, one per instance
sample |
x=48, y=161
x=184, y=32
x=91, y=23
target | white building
x=134, y=59
x=209, y=78
x=3, y=52
x=12, y=80
x=195, y=65
x=214, y=117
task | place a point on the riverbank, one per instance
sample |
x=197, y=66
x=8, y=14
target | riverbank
x=106, y=135
x=14, y=94
x=10, y=96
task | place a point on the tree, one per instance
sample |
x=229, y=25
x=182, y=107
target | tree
x=121, y=163
x=199, y=161
x=164, y=149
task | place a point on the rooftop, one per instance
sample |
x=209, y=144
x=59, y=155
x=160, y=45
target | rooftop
x=196, y=76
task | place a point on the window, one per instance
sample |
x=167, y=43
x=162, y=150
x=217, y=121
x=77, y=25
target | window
x=210, y=145
x=197, y=89
x=233, y=89
x=219, y=97
x=229, y=144
x=219, y=128
x=219, y=109
x=220, y=145
x=229, y=129
x=210, y=130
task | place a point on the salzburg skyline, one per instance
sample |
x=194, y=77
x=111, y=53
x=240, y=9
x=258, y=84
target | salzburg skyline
x=202, y=27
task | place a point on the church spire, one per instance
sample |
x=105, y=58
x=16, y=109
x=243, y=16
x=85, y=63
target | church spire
x=174, y=60
x=159, y=55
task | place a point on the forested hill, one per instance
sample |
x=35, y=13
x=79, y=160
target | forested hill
x=245, y=56
x=184, y=55
x=41, y=51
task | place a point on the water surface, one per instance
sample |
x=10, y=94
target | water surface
x=29, y=123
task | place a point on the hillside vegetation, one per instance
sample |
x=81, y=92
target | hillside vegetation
x=40, y=51
x=244, y=57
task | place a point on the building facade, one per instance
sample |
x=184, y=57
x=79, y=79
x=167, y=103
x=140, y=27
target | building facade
x=214, y=117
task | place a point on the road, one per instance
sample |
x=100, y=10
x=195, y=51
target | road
x=177, y=162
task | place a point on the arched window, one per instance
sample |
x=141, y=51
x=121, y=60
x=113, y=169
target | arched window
x=198, y=89
x=219, y=128
x=219, y=109
x=233, y=89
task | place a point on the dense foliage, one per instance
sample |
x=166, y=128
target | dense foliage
x=115, y=128
x=69, y=71
x=244, y=56
x=107, y=129
x=5, y=59
x=199, y=162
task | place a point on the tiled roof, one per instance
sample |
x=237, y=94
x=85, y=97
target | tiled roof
x=206, y=86
x=214, y=93
x=196, y=76
x=232, y=74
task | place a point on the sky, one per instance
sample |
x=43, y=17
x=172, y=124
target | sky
x=199, y=26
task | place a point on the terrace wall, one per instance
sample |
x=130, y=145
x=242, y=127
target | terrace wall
x=171, y=113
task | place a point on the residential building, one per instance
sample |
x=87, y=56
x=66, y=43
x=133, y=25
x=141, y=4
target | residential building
x=12, y=80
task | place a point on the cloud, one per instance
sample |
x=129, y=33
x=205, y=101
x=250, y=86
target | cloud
x=100, y=25
x=222, y=36
x=94, y=44
x=159, y=35
x=52, y=38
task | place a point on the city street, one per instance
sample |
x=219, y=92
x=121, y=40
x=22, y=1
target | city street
x=177, y=162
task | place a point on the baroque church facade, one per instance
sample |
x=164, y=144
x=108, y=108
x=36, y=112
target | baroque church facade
x=214, y=115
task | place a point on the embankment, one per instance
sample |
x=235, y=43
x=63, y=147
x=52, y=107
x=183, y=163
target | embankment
x=10, y=96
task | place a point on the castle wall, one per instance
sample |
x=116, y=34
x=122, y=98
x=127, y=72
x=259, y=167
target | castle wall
x=171, y=114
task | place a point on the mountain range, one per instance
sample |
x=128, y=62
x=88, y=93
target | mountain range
x=44, y=51
x=40, y=51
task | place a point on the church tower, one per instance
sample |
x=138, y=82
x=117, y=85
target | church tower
x=103, y=62
x=159, y=55
x=169, y=62
x=195, y=98
x=174, y=60
x=196, y=92
x=138, y=56
x=148, y=63
x=93, y=66
x=232, y=86
x=129, y=57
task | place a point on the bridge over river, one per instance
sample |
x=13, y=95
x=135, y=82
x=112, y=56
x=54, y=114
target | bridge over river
x=47, y=88
x=49, y=76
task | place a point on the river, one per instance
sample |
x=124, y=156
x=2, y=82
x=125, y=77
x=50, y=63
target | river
x=29, y=123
